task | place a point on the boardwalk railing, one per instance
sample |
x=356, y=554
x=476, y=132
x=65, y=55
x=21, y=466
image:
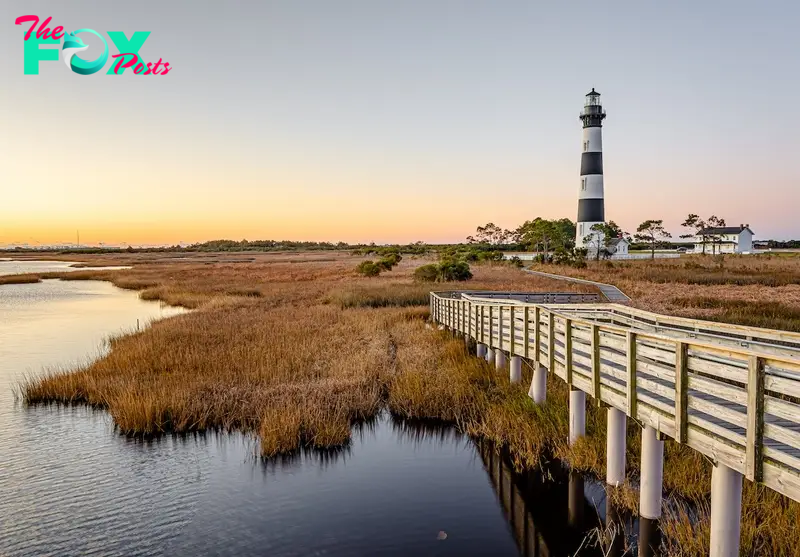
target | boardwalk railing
x=729, y=392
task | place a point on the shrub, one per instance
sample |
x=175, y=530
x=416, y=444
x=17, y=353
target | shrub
x=386, y=263
x=427, y=273
x=368, y=269
x=448, y=270
x=516, y=262
x=454, y=270
x=392, y=258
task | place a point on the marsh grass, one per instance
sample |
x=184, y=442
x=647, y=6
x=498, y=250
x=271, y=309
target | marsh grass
x=317, y=350
x=265, y=351
x=20, y=279
x=381, y=294
x=769, y=314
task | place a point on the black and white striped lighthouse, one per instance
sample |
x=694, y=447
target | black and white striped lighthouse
x=590, y=197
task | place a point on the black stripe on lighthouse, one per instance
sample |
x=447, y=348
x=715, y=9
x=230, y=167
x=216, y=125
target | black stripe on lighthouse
x=591, y=210
x=592, y=163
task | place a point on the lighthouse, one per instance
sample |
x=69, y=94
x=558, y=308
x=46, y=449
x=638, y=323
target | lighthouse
x=591, y=210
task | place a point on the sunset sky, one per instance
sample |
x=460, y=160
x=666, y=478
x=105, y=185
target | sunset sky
x=397, y=121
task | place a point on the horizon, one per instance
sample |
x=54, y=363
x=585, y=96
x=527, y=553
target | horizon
x=394, y=124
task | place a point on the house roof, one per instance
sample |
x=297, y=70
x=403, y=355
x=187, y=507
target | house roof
x=615, y=241
x=724, y=230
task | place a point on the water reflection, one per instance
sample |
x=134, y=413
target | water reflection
x=547, y=510
x=70, y=485
x=649, y=538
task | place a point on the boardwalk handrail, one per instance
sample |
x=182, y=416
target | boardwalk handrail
x=738, y=405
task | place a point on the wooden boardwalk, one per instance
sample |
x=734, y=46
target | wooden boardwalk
x=611, y=292
x=729, y=392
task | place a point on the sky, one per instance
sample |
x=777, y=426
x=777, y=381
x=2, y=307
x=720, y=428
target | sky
x=383, y=121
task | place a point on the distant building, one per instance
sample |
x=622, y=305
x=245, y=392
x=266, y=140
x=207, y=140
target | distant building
x=725, y=239
x=618, y=246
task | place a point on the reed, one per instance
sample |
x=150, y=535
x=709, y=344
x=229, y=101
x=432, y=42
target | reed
x=298, y=351
x=266, y=336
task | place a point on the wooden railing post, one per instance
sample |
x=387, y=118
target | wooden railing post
x=596, y=362
x=551, y=342
x=483, y=320
x=500, y=327
x=491, y=327
x=568, y=351
x=631, y=365
x=526, y=331
x=755, y=419
x=512, y=330
x=681, y=393
x=537, y=334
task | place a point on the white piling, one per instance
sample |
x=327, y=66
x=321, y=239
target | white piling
x=577, y=415
x=652, y=474
x=615, y=447
x=726, y=511
x=516, y=369
x=490, y=354
x=538, y=390
x=481, y=350
x=499, y=359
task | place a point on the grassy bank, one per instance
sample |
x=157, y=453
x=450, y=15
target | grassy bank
x=294, y=350
x=297, y=350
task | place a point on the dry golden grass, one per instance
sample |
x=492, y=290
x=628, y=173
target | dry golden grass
x=753, y=290
x=19, y=279
x=296, y=350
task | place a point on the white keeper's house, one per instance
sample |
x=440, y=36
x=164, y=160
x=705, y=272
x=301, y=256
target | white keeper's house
x=724, y=239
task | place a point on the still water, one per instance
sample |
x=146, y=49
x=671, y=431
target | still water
x=10, y=267
x=70, y=485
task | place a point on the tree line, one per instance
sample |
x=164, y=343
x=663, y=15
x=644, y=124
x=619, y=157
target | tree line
x=557, y=236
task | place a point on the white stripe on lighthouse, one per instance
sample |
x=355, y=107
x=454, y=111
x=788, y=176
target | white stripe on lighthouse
x=592, y=140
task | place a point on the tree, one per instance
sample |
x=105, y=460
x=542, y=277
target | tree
x=600, y=237
x=652, y=232
x=715, y=222
x=490, y=234
x=543, y=235
x=694, y=222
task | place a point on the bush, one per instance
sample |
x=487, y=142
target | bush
x=368, y=269
x=386, y=263
x=516, y=262
x=454, y=270
x=445, y=271
x=392, y=258
x=427, y=273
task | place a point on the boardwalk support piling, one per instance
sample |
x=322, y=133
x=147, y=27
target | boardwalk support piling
x=489, y=354
x=726, y=511
x=481, y=350
x=516, y=369
x=615, y=447
x=577, y=415
x=652, y=474
x=538, y=390
x=499, y=359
